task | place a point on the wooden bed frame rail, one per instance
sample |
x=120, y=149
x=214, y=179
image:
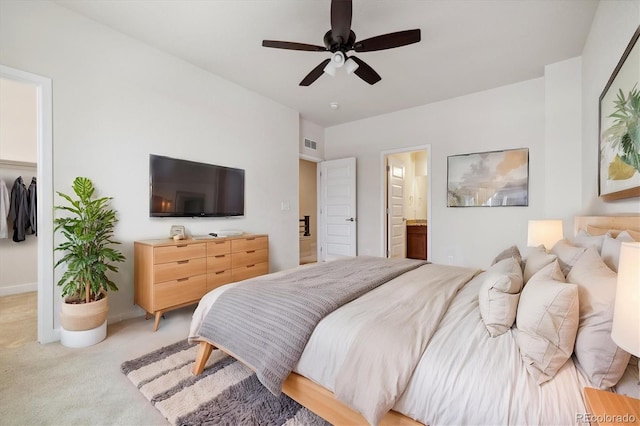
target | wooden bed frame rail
x=314, y=397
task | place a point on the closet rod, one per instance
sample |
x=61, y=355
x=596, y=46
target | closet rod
x=12, y=163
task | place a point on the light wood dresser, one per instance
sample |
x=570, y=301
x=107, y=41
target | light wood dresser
x=170, y=274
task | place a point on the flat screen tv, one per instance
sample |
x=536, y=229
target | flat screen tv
x=181, y=188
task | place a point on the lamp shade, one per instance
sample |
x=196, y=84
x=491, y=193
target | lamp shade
x=545, y=232
x=625, y=330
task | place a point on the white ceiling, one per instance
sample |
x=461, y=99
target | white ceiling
x=467, y=45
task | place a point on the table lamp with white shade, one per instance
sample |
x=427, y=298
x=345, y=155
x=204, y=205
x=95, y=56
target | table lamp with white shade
x=544, y=232
x=625, y=330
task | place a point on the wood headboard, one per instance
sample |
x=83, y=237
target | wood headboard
x=621, y=222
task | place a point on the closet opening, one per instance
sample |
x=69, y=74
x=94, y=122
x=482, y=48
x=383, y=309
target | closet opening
x=18, y=219
x=26, y=150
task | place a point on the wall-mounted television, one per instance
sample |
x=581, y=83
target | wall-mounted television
x=182, y=188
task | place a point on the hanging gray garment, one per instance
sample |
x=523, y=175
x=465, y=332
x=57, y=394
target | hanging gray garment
x=32, y=203
x=19, y=210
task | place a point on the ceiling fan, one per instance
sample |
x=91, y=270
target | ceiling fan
x=340, y=39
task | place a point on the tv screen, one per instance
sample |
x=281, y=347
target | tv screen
x=181, y=188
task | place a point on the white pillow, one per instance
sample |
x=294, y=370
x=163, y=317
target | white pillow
x=583, y=239
x=547, y=323
x=537, y=259
x=611, y=249
x=597, y=355
x=499, y=294
x=568, y=254
x=550, y=272
x=507, y=253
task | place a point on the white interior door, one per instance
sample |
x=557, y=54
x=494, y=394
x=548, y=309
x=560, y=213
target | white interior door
x=396, y=225
x=337, y=209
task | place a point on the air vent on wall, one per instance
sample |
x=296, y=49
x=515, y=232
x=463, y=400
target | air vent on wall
x=308, y=143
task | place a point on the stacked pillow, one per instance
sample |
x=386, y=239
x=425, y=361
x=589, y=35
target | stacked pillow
x=567, y=254
x=599, y=358
x=611, y=248
x=499, y=294
x=547, y=322
x=538, y=258
x=564, y=305
x=508, y=253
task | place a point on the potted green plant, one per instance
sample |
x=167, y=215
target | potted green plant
x=88, y=255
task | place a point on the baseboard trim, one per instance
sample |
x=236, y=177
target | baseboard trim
x=18, y=289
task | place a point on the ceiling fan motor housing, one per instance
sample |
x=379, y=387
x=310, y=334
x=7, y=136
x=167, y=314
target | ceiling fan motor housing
x=334, y=45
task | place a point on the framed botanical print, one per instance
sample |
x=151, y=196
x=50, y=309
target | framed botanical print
x=619, y=128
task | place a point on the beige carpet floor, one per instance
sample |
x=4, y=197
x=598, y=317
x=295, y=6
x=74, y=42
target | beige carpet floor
x=53, y=385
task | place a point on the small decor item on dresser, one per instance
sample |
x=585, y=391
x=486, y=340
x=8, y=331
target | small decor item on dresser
x=88, y=255
x=177, y=232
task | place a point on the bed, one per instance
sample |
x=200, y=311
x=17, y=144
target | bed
x=441, y=344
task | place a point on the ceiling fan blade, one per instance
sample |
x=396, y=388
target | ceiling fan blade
x=341, y=12
x=315, y=73
x=293, y=46
x=365, y=72
x=388, y=41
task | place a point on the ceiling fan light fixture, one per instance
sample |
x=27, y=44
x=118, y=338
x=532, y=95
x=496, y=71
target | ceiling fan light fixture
x=337, y=59
x=350, y=66
x=330, y=69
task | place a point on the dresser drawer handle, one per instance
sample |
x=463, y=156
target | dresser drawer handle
x=251, y=251
x=220, y=255
x=182, y=262
x=219, y=272
x=250, y=266
x=182, y=245
x=251, y=239
x=183, y=279
x=219, y=242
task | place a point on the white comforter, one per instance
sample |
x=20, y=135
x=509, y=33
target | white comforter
x=463, y=377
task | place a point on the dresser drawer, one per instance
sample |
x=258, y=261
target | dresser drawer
x=219, y=262
x=216, y=279
x=246, y=272
x=177, y=292
x=180, y=269
x=249, y=243
x=247, y=258
x=218, y=247
x=178, y=252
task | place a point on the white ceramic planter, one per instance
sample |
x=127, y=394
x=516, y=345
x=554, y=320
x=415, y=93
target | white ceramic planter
x=84, y=338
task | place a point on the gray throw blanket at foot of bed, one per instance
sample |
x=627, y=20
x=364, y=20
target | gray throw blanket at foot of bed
x=267, y=321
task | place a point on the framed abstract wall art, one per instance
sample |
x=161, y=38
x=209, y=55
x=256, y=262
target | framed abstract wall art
x=488, y=179
x=619, y=128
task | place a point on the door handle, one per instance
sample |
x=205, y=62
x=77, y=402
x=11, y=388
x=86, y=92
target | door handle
x=350, y=219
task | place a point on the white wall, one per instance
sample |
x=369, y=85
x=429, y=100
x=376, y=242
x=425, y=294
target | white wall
x=563, y=142
x=314, y=132
x=19, y=126
x=613, y=26
x=116, y=100
x=506, y=117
